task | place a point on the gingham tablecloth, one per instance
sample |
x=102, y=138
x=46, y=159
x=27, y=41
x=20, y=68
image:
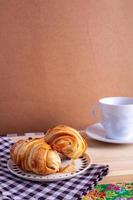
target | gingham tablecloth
x=15, y=188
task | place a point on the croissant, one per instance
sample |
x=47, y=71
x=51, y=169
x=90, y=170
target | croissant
x=66, y=140
x=36, y=156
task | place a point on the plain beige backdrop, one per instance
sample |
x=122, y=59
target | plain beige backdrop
x=58, y=57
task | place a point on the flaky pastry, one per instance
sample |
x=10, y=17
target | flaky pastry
x=66, y=140
x=36, y=156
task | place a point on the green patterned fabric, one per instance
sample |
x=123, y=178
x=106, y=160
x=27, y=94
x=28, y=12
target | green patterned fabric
x=119, y=191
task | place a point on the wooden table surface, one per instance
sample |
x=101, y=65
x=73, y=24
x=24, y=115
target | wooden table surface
x=118, y=157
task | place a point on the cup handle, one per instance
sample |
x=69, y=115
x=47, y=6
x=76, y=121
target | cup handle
x=94, y=110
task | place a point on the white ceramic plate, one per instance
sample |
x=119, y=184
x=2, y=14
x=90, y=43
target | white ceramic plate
x=97, y=132
x=81, y=164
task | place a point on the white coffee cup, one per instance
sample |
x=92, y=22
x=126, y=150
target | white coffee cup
x=116, y=116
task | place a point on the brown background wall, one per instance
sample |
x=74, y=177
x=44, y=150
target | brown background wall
x=57, y=58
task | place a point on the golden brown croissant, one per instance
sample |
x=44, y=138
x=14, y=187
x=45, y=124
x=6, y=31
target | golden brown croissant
x=36, y=156
x=66, y=140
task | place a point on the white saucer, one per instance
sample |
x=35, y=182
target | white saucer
x=97, y=132
x=81, y=165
